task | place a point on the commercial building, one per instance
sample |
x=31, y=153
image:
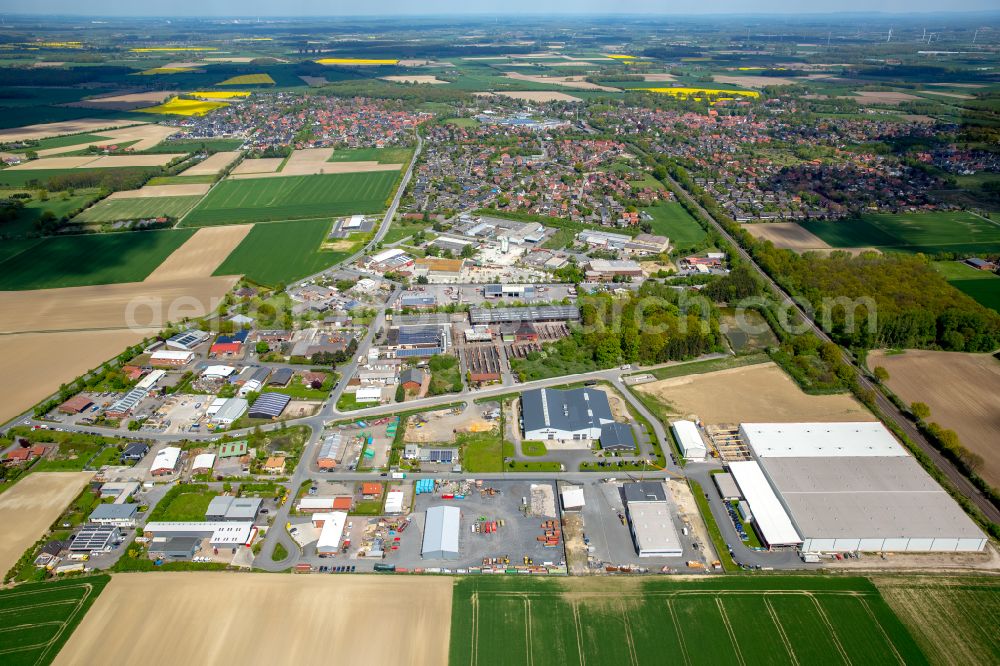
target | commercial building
x=224, y=534
x=203, y=463
x=650, y=515
x=280, y=377
x=124, y=405
x=412, y=379
x=177, y=548
x=165, y=461
x=230, y=344
x=229, y=508
x=230, y=411
x=170, y=358
x=187, y=340
x=417, y=340
x=689, y=440
x=573, y=414
x=332, y=525
x=94, y=538
x=430, y=454
x=603, y=239
x=316, y=504
x=606, y=270
x=648, y=244
x=368, y=394
x=233, y=449
x=134, y=452
x=121, y=491
x=76, y=404
x=517, y=292
x=572, y=498
x=387, y=261
x=830, y=487
x=119, y=515
x=218, y=372
x=441, y=530
x=269, y=406
x=726, y=486
x=394, y=501
x=541, y=313
x=438, y=270
x=329, y=451
x=617, y=437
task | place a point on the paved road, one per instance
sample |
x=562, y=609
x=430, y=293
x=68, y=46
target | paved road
x=886, y=406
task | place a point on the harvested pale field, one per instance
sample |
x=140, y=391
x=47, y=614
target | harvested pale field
x=918, y=118
x=963, y=392
x=145, y=137
x=43, y=361
x=792, y=236
x=754, y=81
x=959, y=85
x=259, y=165
x=111, y=306
x=753, y=393
x=659, y=77
x=201, y=254
x=48, y=63
x=536, y=96
x=578, y=82
x=883, y=97
x=126, y=102
x=71, y=162
x=229, y=618
x=31, y=505
x=325, y=168
x=212, y=165
x=306, y=162
x=942, y=93
x=414, y=78
x=314, y=80
x=183, y=65
x=230, y=59
x=148, y=191
x=46, y=130
x=115, y=161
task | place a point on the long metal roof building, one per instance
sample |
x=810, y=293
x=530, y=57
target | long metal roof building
x=509, y=315
x=441, y=533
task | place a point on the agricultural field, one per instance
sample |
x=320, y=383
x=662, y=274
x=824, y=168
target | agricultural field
x=670, y=219
x=930, y=233
x=58, y=204
x=23, y=177
x=71, y=261
x=983, y=286
x=922, y=601
x=282, y=252
x=40, y=617
x=266, y=615
x=964, y=396
x=29, y=507
x=293, y=197
x=595, y=621
x=140, y=208
x=248, y=80
x=755, y=393
x=380, y=155
x=184, y=107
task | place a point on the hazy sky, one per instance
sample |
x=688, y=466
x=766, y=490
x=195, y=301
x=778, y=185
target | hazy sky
x=492, y=7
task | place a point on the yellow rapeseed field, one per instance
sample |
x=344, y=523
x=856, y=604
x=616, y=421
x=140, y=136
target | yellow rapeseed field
x=687, y=92
x=249, y=80
x=184, y=107
x=617, y=56
x=219, y=94
x=357, y=61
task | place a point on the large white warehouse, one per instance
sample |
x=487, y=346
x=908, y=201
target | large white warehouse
x=847, y=487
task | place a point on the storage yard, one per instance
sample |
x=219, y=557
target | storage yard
x=270, y=618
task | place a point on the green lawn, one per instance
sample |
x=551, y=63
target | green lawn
x=670, y=219
x=959, y=270
x=184, y=503
x=181, y=180
x=481, y=451
x=279, y=553
x=347, y=403
x=951, y=231
x=463, y=122
x=40, y=617
x=111, y=210
x=69, y=140
x=401, y=229
x=282, y=252
x=514, y=620
x=533, y=448
x=72, y=261
x=397, y=155
x=299, y=391
x=293, y=197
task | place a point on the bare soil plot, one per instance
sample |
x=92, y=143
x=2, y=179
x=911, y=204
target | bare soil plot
x=618, y=408
x=29, y=507
x=750, y=81
x=259, y=165
x=883, y=97
x=962, y=390
x=659, y=77
x=949, y=94
x=46, y=130
x=314, y=80
x=306, y=162
x=326, y=169
x=229, y=59
x=578, y=82
x=792, y=236
x=114, y=161
x=126, y=102
x=265, y=618
x=201, y=255
x=111, y=306
x=750, y=394
x=145, y=137
x=413, y=78
x=190, y=189
x=534, y=96
x=212, y=164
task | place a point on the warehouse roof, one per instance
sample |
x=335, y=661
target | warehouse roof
x=222, y=533
x=417, y=335
x=727, y=486
x=769, y=515
x=333, y=529
x=114, y=512
x=233, y=409
x=798, y=440
x=281, y=376
x=860, y=497
x=574, y=409
x=539, y=313
x=330, y=448
x=654, y=529
x=689, y=438
x=644, y=491
x=94, y=537
x=269, y=405
x=441, y=530
x=203, y=461
x=166, y=458
x=239, y=336
x=187, y=339
x=617, y=436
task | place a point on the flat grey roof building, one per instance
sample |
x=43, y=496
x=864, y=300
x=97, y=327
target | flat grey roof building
x=441, y=533
x=95, y=537
x=644, y=491
x=727, y=486
x=540, y=313
x=114, y=513
x=573, y=414
x=226, y=507
x=617, y=437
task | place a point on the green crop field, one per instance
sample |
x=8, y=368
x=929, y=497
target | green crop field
x=398, y=155
x=111, y=210
x=292, y=197
x=987, y=292
x=73, y=261
x=38, y=618
x=952, y=231
x=20, y=178
x=282, y=252
x=58, y=204
x=806, y=619
x=671, y=220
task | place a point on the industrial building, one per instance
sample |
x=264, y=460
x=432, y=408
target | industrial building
x=165, y=461
x=689, y=440
x=650, y=515
x=441, y=530
x=203, y=463
x=368, y=394
x=605, y=270
x=280, y=377
x=332, y=524
x=229, y=508
x=225, y=534
x=518, y=292
x=394, y=501
x=93, y=538
x=617, y=437
x=230, y=344
x=573, y=414
x=269, y=406
x=533, y=314
x=572, y=498
x=847, y=487
x=726, y=486
x=329, y=451
x=119, y=515
x=231, y=410
x=417, y=340
x=170, y=358
x=187, y=340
